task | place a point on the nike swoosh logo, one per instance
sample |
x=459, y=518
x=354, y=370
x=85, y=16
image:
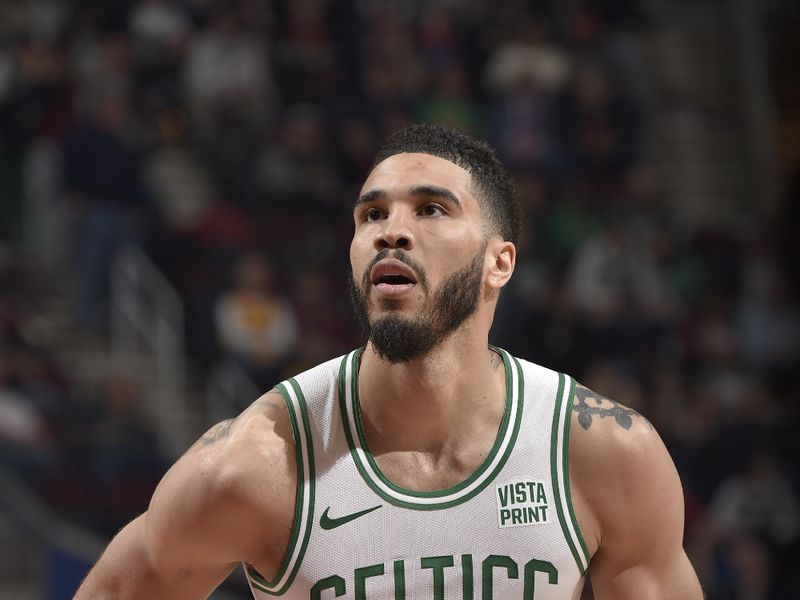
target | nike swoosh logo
x=327, y=522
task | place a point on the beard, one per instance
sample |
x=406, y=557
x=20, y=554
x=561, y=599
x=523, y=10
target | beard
x=399, y=339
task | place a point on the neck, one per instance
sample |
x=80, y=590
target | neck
x=437, y=403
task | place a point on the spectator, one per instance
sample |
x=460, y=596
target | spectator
x=256, y=325
x=524, y=75
x=23, y=433
x=450, y=101
x=125, y=462
x=614, y=273
x=103, y=186
x=325, y=329
x=358, y=143
x=769, y=322
x=599, y=124
x=438, y=37
x=759, y=502
x=307, y=59
x=528, y=56
x=227, y=71
x=295, y=173
x=159, y=29
x=180, y=185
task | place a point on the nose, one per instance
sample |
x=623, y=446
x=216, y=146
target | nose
x=395, y=233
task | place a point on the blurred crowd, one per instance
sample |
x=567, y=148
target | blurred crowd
x=229, y=139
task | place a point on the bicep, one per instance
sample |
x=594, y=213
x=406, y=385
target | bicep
x=672, y=578
x=642, y=555
x=631, y=484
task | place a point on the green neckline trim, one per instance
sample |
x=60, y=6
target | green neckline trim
x=453, y=495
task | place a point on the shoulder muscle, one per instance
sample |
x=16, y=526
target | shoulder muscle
x=232, y=492
x=629, y=499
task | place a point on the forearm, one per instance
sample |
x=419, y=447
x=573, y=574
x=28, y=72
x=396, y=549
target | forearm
x=124, y=571
x=127, y=571
x=205, y=517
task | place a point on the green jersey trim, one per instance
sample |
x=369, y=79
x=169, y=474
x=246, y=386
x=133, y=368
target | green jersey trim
x=571, y=509
x=304, y=500
x=559, y=468
x=438, y=499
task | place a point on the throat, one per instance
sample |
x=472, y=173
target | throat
x=420, y=448
x=438, y=418
x=432, y=404
x=431, y=472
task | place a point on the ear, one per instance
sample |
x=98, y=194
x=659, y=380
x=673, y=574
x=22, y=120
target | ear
x=501, y=256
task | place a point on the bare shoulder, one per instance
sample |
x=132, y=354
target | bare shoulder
x=255, y=444
x=591, y=408
x=617, y=460
x=233, y=489
x=610, y=440
x=628, y=500
x=246, y=452
x=606, y=432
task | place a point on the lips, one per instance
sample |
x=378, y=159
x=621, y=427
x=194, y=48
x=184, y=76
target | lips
x=392, y=278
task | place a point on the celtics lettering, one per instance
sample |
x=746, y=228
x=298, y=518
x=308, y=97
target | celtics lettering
x=367, y=581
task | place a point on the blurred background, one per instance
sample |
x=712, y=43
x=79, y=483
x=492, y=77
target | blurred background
x=176, y=183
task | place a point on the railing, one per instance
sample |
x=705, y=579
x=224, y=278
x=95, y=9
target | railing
x=147, y=338
x=37, y=527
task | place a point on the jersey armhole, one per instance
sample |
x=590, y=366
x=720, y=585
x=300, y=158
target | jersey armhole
x=559, y=467
x=304, y=499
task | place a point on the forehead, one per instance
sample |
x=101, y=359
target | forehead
x=400, y=172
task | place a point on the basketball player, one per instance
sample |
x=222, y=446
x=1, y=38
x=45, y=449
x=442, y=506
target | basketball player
x=428, y=464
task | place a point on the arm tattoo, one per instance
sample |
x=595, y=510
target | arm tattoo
x=217, y=432
x=587, y=404
x=496, y=361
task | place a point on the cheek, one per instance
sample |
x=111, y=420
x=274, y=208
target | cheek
x=356, y=255
x=455, y=232
x=454, y=248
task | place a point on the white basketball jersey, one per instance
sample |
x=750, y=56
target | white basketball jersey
x=507, y=532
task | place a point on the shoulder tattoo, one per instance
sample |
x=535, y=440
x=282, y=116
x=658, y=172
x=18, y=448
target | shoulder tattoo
x=216, y=433
x=589, y=404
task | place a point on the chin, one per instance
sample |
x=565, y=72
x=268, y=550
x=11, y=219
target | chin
x=382, y=306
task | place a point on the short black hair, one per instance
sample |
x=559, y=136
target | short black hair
x=489, y=177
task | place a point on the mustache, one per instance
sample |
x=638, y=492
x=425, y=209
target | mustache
x=404, y=258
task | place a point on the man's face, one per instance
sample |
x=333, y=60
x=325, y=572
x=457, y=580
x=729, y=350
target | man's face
x=418, y=254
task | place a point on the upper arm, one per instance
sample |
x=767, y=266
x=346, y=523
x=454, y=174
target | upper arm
x=223, y=502
x=631, y=498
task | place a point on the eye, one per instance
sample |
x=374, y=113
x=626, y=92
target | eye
x=372, y=214
x=432, y=210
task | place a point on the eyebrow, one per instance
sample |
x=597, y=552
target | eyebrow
x=370, y=196
x=418, y=190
